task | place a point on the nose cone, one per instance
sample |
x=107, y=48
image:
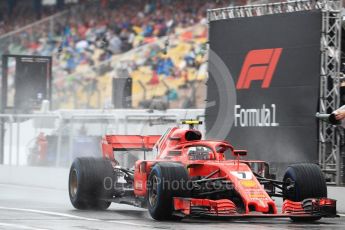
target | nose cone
x=262, y=205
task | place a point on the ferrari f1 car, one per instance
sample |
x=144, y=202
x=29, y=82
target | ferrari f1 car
x=191, y=177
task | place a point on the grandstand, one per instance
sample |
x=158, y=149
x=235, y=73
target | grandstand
x=161, y=43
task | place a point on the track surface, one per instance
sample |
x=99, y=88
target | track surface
x=40, y=208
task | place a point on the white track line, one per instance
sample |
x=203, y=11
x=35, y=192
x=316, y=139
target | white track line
x=49, y=213
x=30, y=187
x=72, y=216
x=343, y=215
x=133, y=224
x=19, y=226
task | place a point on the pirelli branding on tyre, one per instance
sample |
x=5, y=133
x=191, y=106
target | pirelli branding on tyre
x=263, y=86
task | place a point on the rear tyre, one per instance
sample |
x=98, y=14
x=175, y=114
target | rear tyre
x=308, y=182
x=91, y=183
x=166, y=180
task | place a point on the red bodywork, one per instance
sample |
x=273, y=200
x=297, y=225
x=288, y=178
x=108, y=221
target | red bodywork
x=175, y=146
x=123, y=142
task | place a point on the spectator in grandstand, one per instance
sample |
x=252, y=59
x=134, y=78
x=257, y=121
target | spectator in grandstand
x=190, y=58
x=165, y=66
x=127, y=37
x=70, y=62
x=115, y=44
x=160, y=28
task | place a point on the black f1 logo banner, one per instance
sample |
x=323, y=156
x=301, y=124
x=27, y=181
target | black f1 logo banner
x=272, y=63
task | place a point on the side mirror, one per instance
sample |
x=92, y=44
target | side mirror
x=240, y=153
x=272, y=176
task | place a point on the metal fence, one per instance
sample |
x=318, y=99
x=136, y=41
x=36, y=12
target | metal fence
x=55, y=139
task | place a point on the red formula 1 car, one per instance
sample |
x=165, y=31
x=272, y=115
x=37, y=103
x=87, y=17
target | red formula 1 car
x=191, y=177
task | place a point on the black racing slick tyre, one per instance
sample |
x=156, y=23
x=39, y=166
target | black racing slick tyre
x=302, y=181
x=91, y=183
x=166, y=180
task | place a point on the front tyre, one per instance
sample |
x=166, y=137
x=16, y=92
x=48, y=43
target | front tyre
x=302, y=181
x=166, y=180
x=90, y=183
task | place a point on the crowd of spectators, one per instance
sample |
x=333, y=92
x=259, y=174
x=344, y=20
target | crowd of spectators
x=94, y=32
x=15, y=14
x=110, y=27
x=121, y=27
x=115, y=26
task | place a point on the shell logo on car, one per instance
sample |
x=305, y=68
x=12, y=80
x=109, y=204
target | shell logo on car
x=248, y=183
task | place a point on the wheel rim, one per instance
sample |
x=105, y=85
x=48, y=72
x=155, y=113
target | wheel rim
x=73, y=185
x=153, y=192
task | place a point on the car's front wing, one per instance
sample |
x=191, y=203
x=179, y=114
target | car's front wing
x=192, y=207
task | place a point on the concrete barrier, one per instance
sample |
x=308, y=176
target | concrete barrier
x=57, y=178
x=338, y=193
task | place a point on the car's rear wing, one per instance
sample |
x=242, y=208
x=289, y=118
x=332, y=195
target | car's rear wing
x=111, y=143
